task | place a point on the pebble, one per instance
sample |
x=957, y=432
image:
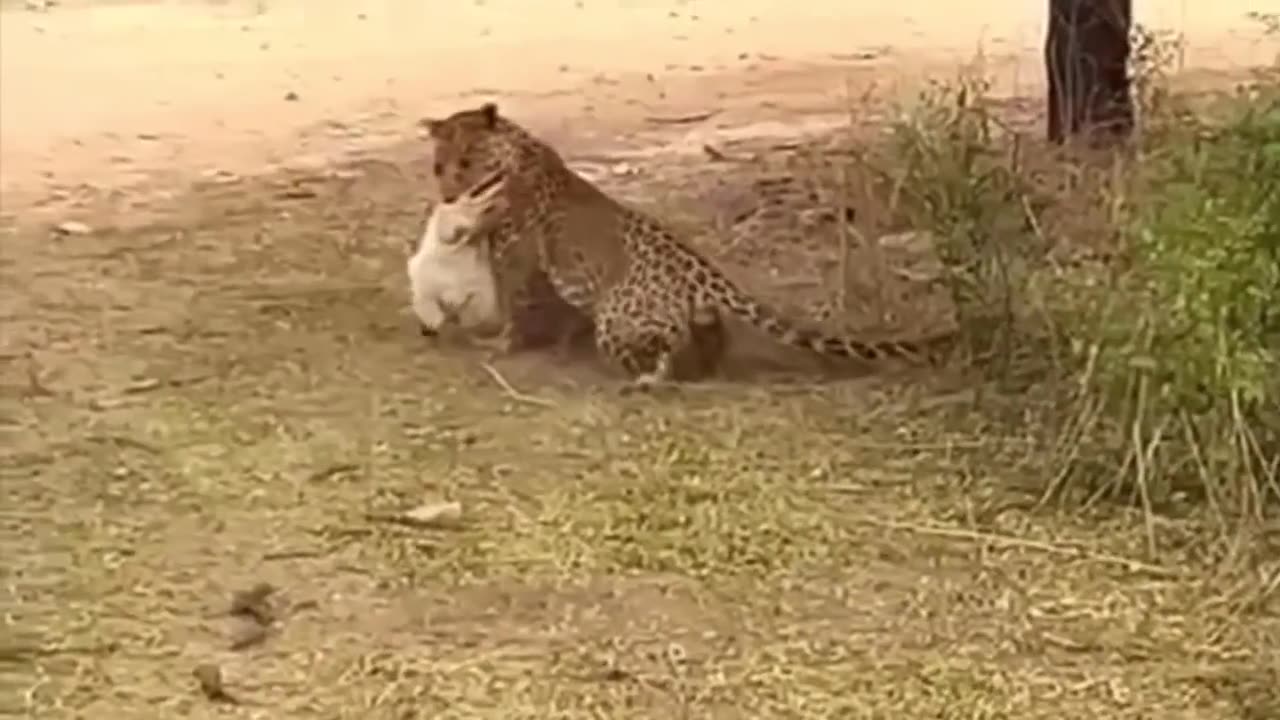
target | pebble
x=72, y=227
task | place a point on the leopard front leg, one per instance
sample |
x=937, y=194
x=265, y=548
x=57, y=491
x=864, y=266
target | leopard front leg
x=513, y=277
x=508, y=338
x=545, y=319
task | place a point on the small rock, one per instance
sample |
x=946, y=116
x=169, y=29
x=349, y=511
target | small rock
x=443, y=513
x=73, y=227
x=917, y=242
x=221, y=177
x=209, y=676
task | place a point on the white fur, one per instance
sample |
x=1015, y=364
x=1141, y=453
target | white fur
x=450, y=275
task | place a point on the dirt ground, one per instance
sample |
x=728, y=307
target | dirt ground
x=213, y=383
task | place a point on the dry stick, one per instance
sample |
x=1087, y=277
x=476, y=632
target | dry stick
x=511, y=392
x=1237, y=418
x=1084, y=419
x=718, y=155
x=842, y=215
x=842, y=222
x=1143, y=454
x=880, y=265
x=1063, y=550
x=1239, y=605
x=1249, y=442
x=1269, y=587
x=681, y=119
x=1202, y=467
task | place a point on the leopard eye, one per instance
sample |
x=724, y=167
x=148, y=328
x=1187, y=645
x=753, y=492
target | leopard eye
x=438, y=169
x=465, y=164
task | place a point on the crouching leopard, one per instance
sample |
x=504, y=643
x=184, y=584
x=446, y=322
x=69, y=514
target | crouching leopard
x=654, y=299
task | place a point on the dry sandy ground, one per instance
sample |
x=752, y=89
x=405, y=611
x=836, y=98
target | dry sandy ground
x=108, y=92
x=215, y=388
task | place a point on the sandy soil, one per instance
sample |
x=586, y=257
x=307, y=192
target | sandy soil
x=107, y=93
x=216, y=386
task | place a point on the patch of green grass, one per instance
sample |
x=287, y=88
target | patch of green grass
x=1185, y=341
x=1138, y=286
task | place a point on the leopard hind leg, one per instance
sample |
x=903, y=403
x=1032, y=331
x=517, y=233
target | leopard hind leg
x=709, y=341
x=642, y=337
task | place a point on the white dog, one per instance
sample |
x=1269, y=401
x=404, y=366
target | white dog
x=450, y=273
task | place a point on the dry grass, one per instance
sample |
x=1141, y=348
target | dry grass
x=227, y=393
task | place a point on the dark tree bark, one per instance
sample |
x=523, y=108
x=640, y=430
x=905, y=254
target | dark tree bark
x=1086, y=56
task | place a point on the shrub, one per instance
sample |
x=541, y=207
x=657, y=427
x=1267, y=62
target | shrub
x=953, y=169
x=1181, y=343
x=1172, y=341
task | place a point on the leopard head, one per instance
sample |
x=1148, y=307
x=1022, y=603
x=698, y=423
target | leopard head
x=469, y=145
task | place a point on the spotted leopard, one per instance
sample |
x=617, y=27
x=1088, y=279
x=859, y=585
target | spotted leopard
x=653, y=298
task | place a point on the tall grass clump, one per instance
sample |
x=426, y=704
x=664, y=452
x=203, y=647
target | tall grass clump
x=1180, y=346
x=1163, y=345
x=952, y=168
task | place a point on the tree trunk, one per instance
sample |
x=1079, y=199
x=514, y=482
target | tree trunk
x=1086, y=55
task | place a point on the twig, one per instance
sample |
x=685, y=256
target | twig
x=681, y=119
x=121, y=441
x=1269, y=588
x=296, y=193
x=149, y=384
x=290, y=555
x=511, y=392
x=331, y=471
x=1005, y=540
x=714, y=153
x=846, y=243
x=402, y=519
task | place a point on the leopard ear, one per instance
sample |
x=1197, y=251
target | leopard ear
x=489, y=113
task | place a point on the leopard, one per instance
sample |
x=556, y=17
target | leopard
x=452, y=281
x=653, y=298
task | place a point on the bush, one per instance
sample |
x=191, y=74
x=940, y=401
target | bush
x=952, y=168
x=1181, y=344
x=1173, y=341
